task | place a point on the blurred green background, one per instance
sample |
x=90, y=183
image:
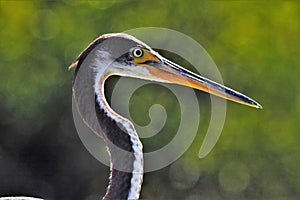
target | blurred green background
x=255, y=45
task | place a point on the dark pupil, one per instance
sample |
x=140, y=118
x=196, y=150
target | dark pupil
x=138, y=52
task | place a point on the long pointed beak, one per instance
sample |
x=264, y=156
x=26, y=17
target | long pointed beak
x=173, y=73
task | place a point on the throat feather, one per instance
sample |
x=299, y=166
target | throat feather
x=124, y=147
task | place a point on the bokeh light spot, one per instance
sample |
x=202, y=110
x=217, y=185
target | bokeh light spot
x=234, y=177
x=183, y=175
x=45, y=24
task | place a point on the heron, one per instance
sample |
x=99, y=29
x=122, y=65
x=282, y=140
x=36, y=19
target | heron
x=124, y=55
x=121, y=54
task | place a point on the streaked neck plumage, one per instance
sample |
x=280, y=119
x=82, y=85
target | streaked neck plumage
x=119, y=132
x=93, y=66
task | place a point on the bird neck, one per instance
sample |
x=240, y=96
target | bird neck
x=124, y=147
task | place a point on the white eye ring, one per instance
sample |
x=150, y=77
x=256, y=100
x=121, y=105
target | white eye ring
x=137, y=52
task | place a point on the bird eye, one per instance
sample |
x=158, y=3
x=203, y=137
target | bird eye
x=137, y=52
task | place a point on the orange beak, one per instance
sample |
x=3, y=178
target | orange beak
x=166, y=70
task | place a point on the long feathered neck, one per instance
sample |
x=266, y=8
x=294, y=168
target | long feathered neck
x=123, y=144
x=119, y=134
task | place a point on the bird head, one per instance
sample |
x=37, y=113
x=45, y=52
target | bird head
x=123, y=55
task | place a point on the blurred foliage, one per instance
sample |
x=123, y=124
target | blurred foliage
x=255, y=45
